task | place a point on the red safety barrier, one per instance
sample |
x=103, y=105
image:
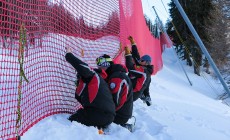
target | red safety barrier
x=34, y=35
x=132, y=22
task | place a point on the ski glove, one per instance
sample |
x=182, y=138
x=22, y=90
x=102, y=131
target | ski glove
x=127, y=51
x=130, y=38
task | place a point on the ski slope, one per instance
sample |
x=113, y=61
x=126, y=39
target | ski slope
x=178, y=112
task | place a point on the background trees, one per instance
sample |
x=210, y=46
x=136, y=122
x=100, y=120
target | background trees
x=207, y=18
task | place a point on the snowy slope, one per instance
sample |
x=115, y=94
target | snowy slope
x=179, y=112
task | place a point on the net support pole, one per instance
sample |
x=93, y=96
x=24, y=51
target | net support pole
x=173, y=49
x=201, y=44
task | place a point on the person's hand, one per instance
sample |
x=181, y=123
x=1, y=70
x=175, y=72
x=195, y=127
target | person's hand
x=130, y=38
x=127, y=50
x=121, y=46
x=68, y=50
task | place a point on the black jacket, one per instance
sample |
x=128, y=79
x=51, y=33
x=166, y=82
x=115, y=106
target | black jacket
x=140, y=75
x=92, y=90
x=121, y=88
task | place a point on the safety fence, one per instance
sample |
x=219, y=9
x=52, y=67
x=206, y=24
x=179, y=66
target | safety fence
x=35, y=79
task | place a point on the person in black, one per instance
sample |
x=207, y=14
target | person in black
x=140, y=70
x=94, y=95
x=120, y=86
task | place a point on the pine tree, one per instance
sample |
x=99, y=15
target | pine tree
x=202, y=15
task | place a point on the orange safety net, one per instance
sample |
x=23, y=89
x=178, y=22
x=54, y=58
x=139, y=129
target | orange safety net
x=33, y=37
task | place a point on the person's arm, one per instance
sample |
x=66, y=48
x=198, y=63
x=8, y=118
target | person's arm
x=129, y=59
x=119, y=88
x=82, y=68
x=78, y=98
x=134, y=70
x=135, y=53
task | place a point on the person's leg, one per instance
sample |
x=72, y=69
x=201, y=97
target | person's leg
x=123, y=122
x=142, y=97
x=148, y=101
x=92, y=117
x=80, y=116
x=146, y=93
x=137, y=95
x=99, y=118
x=119, y=120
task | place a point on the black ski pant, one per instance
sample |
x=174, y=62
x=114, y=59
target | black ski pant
x=120, y=120
x=137, y=95
x=93, y=117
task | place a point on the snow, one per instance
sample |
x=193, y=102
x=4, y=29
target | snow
x=179, y=112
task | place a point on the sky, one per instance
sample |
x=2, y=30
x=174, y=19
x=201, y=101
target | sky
x=178, y=112
x=161, y=7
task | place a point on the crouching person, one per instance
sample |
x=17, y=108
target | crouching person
x=140, y=70
x=93, y=94
x=121, y=88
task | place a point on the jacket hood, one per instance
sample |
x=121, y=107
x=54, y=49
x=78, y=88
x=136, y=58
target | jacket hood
x=116, y=68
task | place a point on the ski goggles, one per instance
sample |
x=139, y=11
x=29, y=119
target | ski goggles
x=101, y=60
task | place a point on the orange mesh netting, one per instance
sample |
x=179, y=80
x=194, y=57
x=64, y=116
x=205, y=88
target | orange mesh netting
x=33, y=37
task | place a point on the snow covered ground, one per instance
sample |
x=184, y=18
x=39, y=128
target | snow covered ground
x=179, y=112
